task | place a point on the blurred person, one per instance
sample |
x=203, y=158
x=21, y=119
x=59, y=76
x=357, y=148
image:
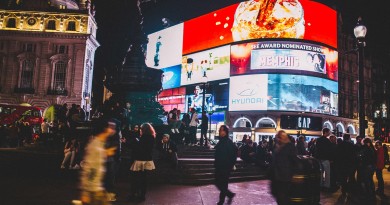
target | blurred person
x=380, y=165
x=300, y=146
x=193, y=126
x=323, y=148
x=204, y=126
x=186, y=127
x=44, y=131
x=72, y=147
x=225, y=159
x=143, y=162
x=368, y=163
x=333, y=170
x=172, y=120
x=167, y=151
x=284, y=160
x=345, y=163
x=248, y=152
x=94, y=167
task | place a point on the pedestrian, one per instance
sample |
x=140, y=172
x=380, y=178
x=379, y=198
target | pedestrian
x=193, y=126
x=143, y=162
x=94, y=167
x=368, y=163
x=345, y=163
x=284, y=160
x=204, y=126
x=380, y=165
x=168, y=151
x=186, y=127
x=225, y=159
x=71, y=149
x=322, y=152
x=301, y=150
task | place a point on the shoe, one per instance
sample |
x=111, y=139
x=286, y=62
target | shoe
x=173, y=130
x=62, y=167
x=177, y=131
x=220, y=203
x=231, y=198
x=76, y=166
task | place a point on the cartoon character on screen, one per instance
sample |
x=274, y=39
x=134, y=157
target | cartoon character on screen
x=157, y=55
x=188, y=65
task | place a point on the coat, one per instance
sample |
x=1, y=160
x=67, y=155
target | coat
x=225, y=154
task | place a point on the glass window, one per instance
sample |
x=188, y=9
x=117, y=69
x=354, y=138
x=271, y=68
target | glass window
x=11, y=23
x=71, y=26
x=27, y=74
x=59, y=76
x=51, y=25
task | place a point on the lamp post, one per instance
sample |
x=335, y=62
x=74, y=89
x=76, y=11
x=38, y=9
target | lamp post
x=360, y=32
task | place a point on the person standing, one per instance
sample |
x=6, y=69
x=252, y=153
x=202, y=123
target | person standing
x=186, y=127
x=94, y=167
x=225, y=159
x=143, y=161
x=204, y=127
x=193, y=126
x=380, y=165
x=368, y=163
x=345, y=163
x=323, y=149
x=70, y=151
x=284, y=160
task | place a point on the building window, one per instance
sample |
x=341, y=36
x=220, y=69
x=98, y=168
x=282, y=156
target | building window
x=26, y=78
x=51, y=25
x=62, y=6
x=11, y=23
x=71, y=26
x=59, y=76
x=61, y=49
x=29, y=47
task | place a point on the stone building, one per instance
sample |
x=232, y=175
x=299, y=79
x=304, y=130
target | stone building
x=47, y=51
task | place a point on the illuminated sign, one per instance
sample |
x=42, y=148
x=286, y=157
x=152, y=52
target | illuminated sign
x=297, y=19
x=248, y=92
x=286, y=56
x=297, y=122
x=171, y=77
x=210, y=65
x=165, y=47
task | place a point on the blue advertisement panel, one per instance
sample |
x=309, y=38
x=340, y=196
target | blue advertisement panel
x=302, y=93
x=171, y=77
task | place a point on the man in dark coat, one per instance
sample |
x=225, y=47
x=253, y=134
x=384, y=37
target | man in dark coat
x=225, y=159
x=345, y=162
x=323, y=152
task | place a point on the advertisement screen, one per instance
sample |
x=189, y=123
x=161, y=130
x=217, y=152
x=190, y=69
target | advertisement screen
x=248, y=92
x=216, y=96
x=302, y=93
x=286, y=57
x=171, y=77
x=173, y=98
x=295, y=19
x=210, y=65
x=165, y=47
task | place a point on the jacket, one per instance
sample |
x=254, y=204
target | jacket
x=144, y=149
x=225, y=154
x=284, y=163
x=323, y=148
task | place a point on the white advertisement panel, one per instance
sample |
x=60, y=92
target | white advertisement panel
x=165, y=47
x=210, y=65
x=248, y=92
x=288, y=59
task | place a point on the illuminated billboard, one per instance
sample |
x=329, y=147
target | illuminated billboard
x=165, y=47
x=172, y=98
x=294, y=19
x=302, y=93
x=248, y=92
x=284, y=56
x=171, y=77
x=210, y=65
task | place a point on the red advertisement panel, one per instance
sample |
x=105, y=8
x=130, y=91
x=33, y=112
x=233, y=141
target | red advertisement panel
x=297, y=19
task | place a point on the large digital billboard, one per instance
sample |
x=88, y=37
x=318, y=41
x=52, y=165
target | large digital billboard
x=216, y=96
x=210, y=65
x=302, y=93
x=257, y=19
x=165, y=47
x=283, y=92
x=248, y=92
x=284, y=56
x=173, y=98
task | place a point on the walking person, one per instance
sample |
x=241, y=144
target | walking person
x=94, y=167
x=284, y=160
x=322, y=151
x=143, y=162
x=380, y=165
x=203, y=129
x=225, y=159
x=345, y=163
x=193, y=126
x=368, y=159
x=70, y=152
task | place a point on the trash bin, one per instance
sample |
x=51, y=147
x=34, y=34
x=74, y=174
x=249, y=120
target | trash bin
x=306, y=188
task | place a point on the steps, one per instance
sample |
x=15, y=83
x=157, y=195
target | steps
x=196, y=167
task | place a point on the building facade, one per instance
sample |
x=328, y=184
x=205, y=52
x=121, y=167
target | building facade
x=47, y=52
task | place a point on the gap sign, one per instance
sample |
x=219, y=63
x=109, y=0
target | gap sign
x=297, y=122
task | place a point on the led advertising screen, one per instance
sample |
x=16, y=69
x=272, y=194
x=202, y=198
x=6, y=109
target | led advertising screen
x=171, y=77
x=210, y=65
x=216, y=96
x=295, y=19
x=284, y=56
x=173, y=98
x=165, y=47
x=302, y=93
x=248, y=92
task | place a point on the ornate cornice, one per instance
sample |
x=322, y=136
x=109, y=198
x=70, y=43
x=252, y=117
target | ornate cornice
x=44, y=34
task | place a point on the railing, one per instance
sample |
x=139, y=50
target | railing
x=24, y=90
x=57, y=92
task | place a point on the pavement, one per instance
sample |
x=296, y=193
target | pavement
x=36, y=179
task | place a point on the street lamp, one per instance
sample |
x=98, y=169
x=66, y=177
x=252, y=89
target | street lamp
x=211, y=112
x=360, y=32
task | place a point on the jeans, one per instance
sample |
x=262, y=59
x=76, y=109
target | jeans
x=381, y=183
x=203, y=136
x=193, y=130
x=222, y=181
x=325, y=176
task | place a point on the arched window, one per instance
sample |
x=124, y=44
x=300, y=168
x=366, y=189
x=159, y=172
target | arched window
x=266, y=122
x=59, y=76
x=26, y=77
x=242, y=122
x=51, y=25
x=11, y=23
x=71, y=26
